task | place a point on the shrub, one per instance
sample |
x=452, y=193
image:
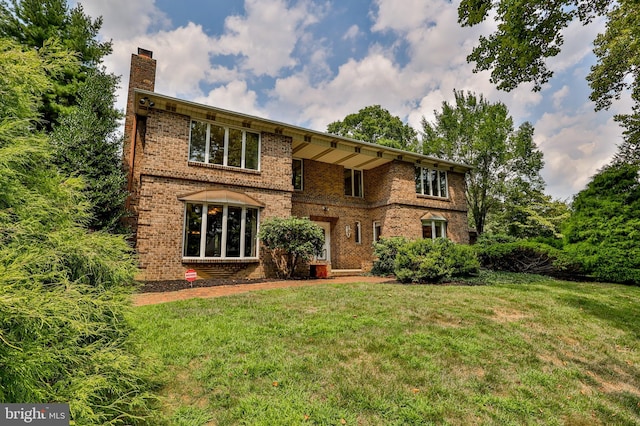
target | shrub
x=291, y=240
x=525, y=256
x=385, y=250
x=434, y=261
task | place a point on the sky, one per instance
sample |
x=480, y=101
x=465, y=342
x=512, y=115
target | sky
x=312, y=62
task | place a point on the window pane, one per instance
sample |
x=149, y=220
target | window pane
x=377, y=231
x=213, y=247
x=234, y=157
x=251, y=233
x=440, y=229
x=192, y=230
x=427, y=230
x=216, y=147
x=198, y=142
x=296, y=178
x=348, y=188
x=443, y=184
x=434, y=182
x=358, y=236
x=419, y=180
x=357, y=183
x=234, y=221
x=252, y=153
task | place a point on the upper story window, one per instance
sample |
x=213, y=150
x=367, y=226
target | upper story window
x=296, y=178
x=226, y=146
x=353, y=183
x=220, y=231
x=431, y=182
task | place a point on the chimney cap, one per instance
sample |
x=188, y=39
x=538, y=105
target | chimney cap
x=145, y=52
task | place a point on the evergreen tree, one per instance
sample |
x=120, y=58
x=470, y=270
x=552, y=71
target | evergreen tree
x=64, y=291
x=87, y=144
x=33, y=23
x=603, y=232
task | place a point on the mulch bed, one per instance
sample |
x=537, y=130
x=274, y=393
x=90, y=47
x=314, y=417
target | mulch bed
x=175, y=285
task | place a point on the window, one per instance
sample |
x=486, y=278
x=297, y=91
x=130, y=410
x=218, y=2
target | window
x=377, y=231
x=432, y=229
x=296, y=180
x=358, y=233
x=431, y=182
x=225, y=146
x=353, y=183
x=220, y=231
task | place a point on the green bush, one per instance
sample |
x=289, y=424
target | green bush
x=385, y=250
x=291, y=240
x=525, y=256
x=434, y=261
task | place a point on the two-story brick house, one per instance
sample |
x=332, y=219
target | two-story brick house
x=202, y=179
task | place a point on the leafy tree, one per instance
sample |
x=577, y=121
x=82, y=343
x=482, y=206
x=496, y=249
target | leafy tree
x=33, y=23
x=603, y=232
x=88, y=144
x=375, y=124
x=480, y=134
x=530, y=31
x=291, y=240
x=64, y=291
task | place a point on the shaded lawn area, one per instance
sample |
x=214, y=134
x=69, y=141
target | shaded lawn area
x=522, y=350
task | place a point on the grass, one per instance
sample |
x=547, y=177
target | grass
x=522, y=350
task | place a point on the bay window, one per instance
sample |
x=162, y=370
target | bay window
x=220, y=231
x=226, y=146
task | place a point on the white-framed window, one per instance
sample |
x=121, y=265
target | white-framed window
x=433, y=229
x=431, y=182
x=226, y=146
x=377, y=230
x=358, y=232
x=353, y=183
x=220, y=231
x=297, y=174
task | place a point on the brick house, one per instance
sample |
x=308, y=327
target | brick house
x=202, y=179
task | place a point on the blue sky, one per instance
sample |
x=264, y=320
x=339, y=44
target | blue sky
x=309, y=63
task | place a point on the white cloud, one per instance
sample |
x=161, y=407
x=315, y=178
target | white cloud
x=559, y=96
x=351, y=33
x=124, y=19
x=266, y=36
x=234, y=96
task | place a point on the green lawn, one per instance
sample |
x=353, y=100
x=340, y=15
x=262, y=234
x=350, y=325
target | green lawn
x=522, y=350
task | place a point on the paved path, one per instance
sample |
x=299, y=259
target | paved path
x=141, y=299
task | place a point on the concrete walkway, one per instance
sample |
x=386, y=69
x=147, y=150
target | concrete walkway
x=141, y=299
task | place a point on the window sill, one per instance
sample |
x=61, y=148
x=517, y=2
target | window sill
x=189, y=260
x=433, y=197
x=221, y=167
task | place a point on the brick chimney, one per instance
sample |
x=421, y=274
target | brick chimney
x=142, y=75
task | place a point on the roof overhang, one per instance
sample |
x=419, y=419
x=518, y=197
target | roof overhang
x=432, y=216
x=221, y=196
x=307, y=144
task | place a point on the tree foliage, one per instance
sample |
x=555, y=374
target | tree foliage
x=475, y=132
x=34, y=23
x=529, y=32
x=291, y=240
x=375, y=124
x=603, y=232
x=88, y=144
x=64, y=291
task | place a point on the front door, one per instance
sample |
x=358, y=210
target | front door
x=325, y=255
